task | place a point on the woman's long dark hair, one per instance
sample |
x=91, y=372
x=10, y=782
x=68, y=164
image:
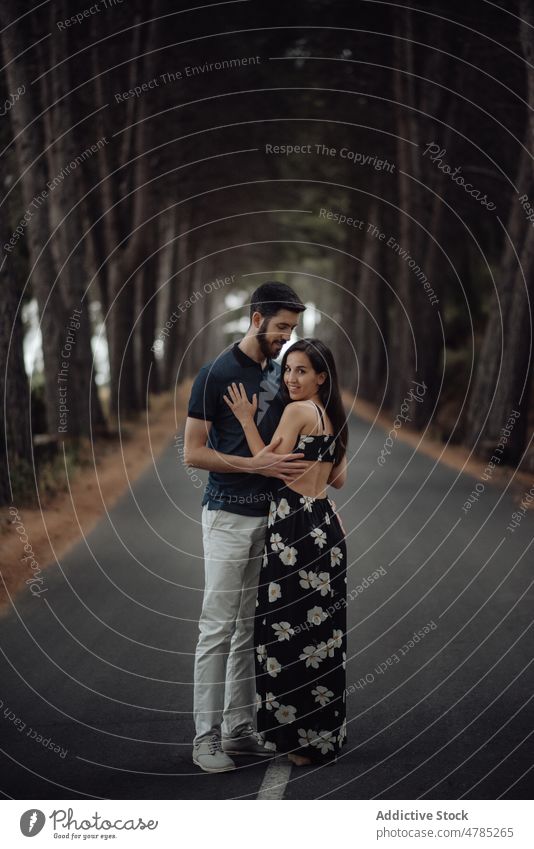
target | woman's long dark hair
x=322, y=360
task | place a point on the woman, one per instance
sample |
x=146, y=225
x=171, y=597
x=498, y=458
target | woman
x=300, y=628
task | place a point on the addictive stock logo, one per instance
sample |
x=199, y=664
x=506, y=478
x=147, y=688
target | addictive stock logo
x=31, y=822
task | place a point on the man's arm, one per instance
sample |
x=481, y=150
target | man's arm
x=199, y=456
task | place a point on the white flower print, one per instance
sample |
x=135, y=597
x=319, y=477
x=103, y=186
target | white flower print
x=269, y=745
x=307, y=501
x=288, y=556
x=319, y=537
x=314, y=649
x=305, y=737
x=332, y=448
x=283, y=508
x=285, y=713
x=324, y=742
x=336, y=555
x=316, y=615
x=342, y=732
x=322, y=695
x=273, y=667
x=337, y=637
x=313, y=655
x=274, y=591
x=276, y=542
x=308, y=580
x=303, y=440
x=323, y=583
x=344, y=660
x=270, y=701
x=283, y=630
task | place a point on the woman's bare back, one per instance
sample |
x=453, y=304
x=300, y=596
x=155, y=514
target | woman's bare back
x=314, y=479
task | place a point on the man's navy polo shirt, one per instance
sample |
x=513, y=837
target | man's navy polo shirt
x=237, y=492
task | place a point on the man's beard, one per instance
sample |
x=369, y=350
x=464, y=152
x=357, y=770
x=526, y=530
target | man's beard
x=267, y=348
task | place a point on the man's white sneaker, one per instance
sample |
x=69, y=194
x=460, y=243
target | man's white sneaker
x=246, y=742
x=209, y=756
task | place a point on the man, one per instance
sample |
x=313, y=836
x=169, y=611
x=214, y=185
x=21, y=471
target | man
x=234, y=520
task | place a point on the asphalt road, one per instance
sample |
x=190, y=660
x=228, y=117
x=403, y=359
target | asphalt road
x=100, y=666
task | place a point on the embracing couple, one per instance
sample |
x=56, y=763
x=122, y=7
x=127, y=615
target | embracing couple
x=271, y=655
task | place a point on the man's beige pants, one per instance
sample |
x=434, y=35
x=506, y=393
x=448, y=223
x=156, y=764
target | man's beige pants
x=224, y=682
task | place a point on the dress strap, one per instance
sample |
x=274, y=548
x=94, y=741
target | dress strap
x=321, y=415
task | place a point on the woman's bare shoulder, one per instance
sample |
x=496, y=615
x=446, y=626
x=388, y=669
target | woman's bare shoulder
x=302, y=410
x=297, y=408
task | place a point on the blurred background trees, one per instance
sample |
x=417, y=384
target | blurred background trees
x=119, y=211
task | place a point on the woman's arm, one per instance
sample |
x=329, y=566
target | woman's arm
x=244, y=411
x=338, y=475
x=289, y=427
x=295, y=417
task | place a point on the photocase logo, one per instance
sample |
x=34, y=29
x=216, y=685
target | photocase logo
x=31, y=822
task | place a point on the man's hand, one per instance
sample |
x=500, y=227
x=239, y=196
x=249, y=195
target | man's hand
x=286, y=467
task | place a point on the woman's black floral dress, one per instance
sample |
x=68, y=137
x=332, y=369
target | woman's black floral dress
x=300, y=627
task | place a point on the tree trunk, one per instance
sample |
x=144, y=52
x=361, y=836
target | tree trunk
x=127, y=222
x=402, y=343
x=481, y=430
x=510, y=378
x=94, y=226
x=16, y=462
x=84, y=408
x=146, y=322
x=175, y=343
x=172, y=278
x=428, y=209
x=29, y=144
x=420, y=340
x=371, y=317
x=189, y=322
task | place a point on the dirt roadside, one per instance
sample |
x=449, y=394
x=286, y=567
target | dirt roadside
x=63, y=519
x=454, y=456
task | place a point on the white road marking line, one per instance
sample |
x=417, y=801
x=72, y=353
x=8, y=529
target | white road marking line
x=275, y=779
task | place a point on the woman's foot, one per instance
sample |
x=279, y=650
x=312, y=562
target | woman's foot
x=299, y=760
